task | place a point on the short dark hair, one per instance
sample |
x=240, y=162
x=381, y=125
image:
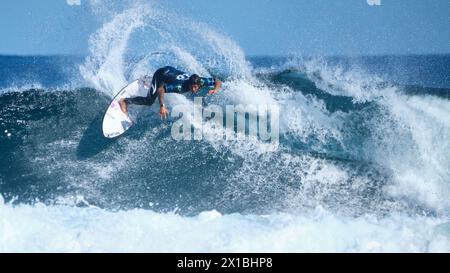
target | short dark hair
x=194, y=79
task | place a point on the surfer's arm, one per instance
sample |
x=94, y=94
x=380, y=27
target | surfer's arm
x=161, y=96
x=162, y=108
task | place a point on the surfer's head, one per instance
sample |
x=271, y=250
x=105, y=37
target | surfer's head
x=194, y=83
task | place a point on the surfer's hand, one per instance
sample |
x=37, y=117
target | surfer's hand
x=217, y=85
x=212, y=92
x=163, y=112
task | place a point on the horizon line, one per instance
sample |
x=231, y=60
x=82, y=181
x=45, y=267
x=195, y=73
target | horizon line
x=259, y=55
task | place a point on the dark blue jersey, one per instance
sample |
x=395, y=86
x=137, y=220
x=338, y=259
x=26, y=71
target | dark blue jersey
x=176, y=81
x=172, y=80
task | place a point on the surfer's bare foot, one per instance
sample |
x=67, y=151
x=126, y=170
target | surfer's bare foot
x=123, y=106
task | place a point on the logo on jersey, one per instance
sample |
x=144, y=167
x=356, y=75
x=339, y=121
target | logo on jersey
x=183, y=77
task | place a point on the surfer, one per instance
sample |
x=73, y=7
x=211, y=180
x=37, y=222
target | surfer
x=170, y=80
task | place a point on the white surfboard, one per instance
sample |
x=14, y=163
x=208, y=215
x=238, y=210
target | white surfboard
x=115, y=122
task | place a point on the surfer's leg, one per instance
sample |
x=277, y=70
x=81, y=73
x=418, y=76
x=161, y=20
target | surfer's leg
x=152, y=94
x=139, y=101
x=149, y=100
x=123, y=106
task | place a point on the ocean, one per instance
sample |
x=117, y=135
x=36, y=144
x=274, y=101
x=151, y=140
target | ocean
x=362, y=163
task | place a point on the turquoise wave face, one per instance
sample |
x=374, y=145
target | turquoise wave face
x=53, y=147
x=331, y=142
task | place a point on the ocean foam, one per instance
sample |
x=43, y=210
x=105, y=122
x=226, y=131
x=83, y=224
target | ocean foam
x=40, y=228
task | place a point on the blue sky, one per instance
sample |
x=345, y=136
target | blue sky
x=260, y=27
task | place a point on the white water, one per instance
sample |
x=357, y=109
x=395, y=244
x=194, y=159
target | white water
x=70, y=229
x=412, y=140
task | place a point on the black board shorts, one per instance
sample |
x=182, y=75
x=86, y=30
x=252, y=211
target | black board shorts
x=157, y=81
